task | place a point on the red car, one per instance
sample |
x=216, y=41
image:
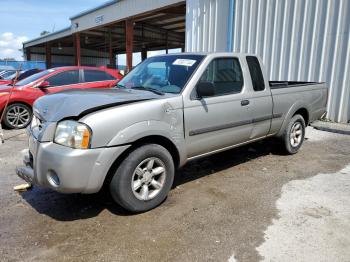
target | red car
x=19, y=110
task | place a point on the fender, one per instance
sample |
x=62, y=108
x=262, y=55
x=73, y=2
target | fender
x=172, y=132
x=294, y=108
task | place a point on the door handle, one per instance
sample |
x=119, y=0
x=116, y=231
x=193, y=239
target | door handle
x=244, y=102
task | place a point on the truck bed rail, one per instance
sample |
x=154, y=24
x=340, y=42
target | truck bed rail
x=286, y=84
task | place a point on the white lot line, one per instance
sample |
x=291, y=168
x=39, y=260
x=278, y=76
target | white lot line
x=314, y=221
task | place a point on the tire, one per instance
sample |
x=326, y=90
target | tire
x=17, y=116
x=138, y=185
x=293, y=136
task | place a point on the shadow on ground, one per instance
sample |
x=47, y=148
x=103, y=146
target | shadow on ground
x=70, y=207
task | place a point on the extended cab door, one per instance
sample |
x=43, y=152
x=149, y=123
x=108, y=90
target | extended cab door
x=222, y=120
x=260, y=99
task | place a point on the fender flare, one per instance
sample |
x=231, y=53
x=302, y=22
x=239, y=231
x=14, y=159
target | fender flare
x=292, y=110
x=152, y=128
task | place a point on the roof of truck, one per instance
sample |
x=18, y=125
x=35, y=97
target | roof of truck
x=210, y=53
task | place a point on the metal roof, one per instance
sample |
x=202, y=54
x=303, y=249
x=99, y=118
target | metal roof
x=111, y=2
x=49, y=37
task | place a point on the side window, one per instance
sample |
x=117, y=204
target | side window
x=225, y=74
x=64, y=78
x=255, y=73
x=96, y=75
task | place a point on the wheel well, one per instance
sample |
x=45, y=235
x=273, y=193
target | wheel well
x=20, y=102
x=162, y=141
x=304, y=113
x=159, y=140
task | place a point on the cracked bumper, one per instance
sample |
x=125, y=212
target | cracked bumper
x=67, y=170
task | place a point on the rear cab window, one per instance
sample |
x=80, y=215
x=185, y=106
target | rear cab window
x=91, y=75
x=255, y=73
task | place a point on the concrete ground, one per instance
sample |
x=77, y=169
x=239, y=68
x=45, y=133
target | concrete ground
x=247, y=204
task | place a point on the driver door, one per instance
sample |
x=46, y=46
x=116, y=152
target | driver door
x=223, y=119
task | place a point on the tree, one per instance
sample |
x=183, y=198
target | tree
x=44, y=33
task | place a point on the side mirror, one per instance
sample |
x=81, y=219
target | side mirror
x=44, y=84
x=205, y=89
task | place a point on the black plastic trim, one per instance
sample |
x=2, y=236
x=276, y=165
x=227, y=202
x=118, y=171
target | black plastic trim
x=232, y=125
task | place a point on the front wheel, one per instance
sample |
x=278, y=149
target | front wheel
x=17, y=116
x=143, y=179
x=294, y=134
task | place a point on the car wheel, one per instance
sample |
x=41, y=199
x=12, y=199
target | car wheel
x=143, y=179
x=294, y=134
x=17, y=116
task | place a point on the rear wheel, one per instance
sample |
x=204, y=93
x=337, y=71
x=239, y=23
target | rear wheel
x=143, y=179
x=17, y=116
x=294, y=134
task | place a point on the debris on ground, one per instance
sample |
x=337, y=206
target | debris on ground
x=22, y=187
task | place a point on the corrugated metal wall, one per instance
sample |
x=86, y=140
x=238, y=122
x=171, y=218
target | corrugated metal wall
x=305, y=40
x=205, y=27
x=65, y=56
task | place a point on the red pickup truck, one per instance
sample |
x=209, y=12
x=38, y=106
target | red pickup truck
x=19, y=110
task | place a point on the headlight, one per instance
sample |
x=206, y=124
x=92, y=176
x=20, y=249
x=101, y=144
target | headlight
x=73, y=134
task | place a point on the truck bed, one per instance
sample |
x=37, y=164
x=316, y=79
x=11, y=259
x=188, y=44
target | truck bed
x=289, y=95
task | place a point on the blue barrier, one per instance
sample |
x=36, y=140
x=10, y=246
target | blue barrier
x=25, y=64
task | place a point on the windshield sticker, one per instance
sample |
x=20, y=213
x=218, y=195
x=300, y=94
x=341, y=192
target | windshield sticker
x=184, y=62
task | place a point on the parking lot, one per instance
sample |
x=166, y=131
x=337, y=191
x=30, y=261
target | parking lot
x=246, y=204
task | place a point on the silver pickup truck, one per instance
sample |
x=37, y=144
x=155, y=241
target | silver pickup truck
x=168, y=110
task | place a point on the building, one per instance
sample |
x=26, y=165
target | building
x=301, y=40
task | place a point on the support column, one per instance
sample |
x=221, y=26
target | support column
x=28, y=54
x=48, y=55
x=129, y=38
x=77, y=50
x=143, y=53
x=111, y=53
x=166, y=43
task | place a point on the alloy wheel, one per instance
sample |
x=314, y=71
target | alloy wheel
x=296, y=134
x=18, y=116
x=148, y=179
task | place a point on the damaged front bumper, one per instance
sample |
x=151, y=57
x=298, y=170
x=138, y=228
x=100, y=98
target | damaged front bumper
x=26, y=172
x=65, y=169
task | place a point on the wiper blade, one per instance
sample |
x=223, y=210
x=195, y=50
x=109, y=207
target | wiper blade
x=155, y=91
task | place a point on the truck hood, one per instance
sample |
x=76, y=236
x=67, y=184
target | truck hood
x=77, y=103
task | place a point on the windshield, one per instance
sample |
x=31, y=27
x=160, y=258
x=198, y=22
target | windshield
x=165, y=74
x=33, y=78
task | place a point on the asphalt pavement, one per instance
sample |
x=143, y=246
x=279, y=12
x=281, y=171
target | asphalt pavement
x=248, y=204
